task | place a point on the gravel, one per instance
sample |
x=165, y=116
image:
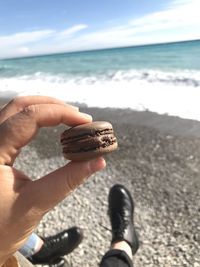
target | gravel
x=158, y=160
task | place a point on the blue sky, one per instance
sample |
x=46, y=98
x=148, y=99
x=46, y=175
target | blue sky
x=31, y=27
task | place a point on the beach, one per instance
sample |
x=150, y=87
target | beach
x=158, y=160
x=151, y=96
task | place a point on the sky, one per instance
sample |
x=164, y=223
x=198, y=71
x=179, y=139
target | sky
x=35, y=27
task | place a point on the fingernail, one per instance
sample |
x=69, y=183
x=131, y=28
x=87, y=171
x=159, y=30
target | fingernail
x=97, y=164
x=85, y=115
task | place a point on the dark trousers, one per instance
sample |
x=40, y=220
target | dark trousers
x=116, y=258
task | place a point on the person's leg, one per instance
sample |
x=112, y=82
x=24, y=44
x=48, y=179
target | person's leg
x=51, y=250
x=33, y=244
x=124, y=242
x=116, y=258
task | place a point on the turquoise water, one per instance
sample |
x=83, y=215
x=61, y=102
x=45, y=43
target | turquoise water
x=164, y=78
x=165, y=57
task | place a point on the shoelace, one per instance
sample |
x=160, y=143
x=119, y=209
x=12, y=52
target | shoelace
x=119, y=223
x=51, y=242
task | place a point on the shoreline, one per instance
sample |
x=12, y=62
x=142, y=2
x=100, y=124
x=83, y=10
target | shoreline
x=163, y=122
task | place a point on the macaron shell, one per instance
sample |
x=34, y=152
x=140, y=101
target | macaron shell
x=87, y=141
x=87, y=128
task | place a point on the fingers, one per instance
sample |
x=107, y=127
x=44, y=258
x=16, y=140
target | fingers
x=18, y=104
x=19, y=129
x=54, y=187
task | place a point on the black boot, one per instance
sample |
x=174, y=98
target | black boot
x=57, y=246
x=121, y=209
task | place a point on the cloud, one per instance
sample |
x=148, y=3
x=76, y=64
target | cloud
x=24, y=37
x=23, y=50
x=23, y=43
x=180, y=14
x=179, y=20
x=72, y=30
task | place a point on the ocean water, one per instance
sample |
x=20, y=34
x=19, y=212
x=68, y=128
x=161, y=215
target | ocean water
x=164, y=78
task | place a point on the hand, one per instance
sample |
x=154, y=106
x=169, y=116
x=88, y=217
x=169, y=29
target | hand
x=23, y=202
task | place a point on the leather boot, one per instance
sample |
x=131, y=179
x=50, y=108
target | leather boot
x=121, y=210
x=57, y=246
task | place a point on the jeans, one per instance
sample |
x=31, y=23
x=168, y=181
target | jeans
x=116, y=258
x=28, y=248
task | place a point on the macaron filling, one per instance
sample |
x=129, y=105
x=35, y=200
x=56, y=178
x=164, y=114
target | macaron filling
x=66, y=140
x=88, y=141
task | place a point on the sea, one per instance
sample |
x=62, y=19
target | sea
x=162, y=78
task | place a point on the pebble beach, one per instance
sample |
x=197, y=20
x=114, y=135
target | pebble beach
x=158, y=160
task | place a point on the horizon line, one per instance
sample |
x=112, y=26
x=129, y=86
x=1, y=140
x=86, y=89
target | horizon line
x=98, y=49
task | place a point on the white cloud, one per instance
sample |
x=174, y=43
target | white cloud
x=24, y=37
x=24, y=43
x=72, y=30
x=179, y=20
x=180, y=14
x=24, y=50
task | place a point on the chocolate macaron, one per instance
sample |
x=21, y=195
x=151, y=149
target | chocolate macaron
x=87, y=141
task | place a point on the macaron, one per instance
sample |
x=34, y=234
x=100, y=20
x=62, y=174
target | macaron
x=89, y=140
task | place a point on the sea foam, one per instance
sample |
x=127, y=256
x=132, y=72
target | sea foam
x=173, y=93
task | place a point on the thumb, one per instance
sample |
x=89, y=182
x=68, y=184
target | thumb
x=54, y=187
